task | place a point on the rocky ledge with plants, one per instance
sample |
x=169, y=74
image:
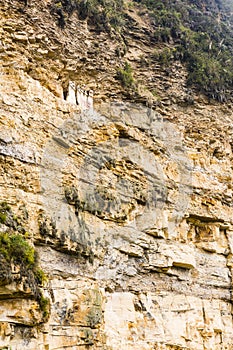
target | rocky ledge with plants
x=20, y=274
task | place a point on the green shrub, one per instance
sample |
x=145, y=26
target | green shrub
x=202, y=34
x=166, y=56
x=3, y=218
x=44, y=305
x=9, y=219
x=196, y=29
x=4, y=211
x=41, y=277
x=16, y=249
x=5, y=206
x=104, y=14
x=125, y=76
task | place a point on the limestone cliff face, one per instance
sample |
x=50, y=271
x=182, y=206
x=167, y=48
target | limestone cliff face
x=128, y=207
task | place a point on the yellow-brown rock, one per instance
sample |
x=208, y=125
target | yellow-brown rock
x=129, y=208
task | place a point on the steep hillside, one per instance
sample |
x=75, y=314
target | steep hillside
x=197, y=34
x=116, y=141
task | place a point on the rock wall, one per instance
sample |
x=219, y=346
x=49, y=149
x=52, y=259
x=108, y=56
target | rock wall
x=130, y=210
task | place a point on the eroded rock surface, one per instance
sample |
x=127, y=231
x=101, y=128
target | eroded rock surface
x=130, y=210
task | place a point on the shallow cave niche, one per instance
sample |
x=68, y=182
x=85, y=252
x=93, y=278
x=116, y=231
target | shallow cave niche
x=77, y=95
x=204, y=233
x=210, y=236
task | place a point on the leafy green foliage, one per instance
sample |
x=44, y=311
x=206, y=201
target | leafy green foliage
x=4, y=209
x=9, y=219
x=16, y=249
x=165, y=56
x=3, y=218
x=40, y=276
x=201, y=31
x=125, y=76
x=103, y=14
x=202, y=34
x=44, y=306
